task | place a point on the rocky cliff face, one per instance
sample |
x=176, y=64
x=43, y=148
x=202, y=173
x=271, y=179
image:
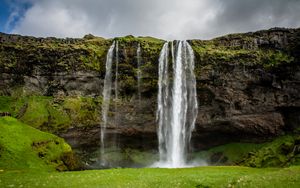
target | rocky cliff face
x=248, y=87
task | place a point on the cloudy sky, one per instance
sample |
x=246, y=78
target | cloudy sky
x=167, y=19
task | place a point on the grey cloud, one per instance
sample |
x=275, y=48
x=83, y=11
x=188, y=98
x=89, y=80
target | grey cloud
x=168, y=19
x=251, y=15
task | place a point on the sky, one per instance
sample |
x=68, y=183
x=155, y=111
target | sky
x=166, y=19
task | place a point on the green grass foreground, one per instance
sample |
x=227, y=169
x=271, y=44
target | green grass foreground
x=214, y=176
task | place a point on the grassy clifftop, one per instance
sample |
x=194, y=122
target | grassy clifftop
x=19, y=54
x=267, y=48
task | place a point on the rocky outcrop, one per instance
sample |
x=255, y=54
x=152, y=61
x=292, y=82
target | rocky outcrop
x=247, y=85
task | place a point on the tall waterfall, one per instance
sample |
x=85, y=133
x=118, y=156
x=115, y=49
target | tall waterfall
x=177, y=106
x=139, y=73
x=106, y=95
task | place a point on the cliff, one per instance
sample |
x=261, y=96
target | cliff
x=248, y=87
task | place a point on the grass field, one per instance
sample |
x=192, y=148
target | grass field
x=29, y=157
x=214, y=176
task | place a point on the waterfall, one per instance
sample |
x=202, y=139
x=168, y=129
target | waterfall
x=117, y=70
x=106, y=96
x=163, y=102
x=139, y=73
x=177, y=106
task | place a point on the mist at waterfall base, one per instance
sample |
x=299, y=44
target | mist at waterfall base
x=176, y=106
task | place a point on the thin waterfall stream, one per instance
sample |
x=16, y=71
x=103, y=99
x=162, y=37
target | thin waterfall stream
x=106, y=98
x=139, y=73
x=117, y=71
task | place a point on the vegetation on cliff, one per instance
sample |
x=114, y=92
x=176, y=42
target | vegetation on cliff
x=20, y=54
x=49, y=105
x=53, y=54
x=53, y=114
x=282, y=152
x=268, y=49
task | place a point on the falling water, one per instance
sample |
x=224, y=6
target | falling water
x=106, y=95
x=117, y=70
x=139, y=74
x=163, y=103
x=177, y=107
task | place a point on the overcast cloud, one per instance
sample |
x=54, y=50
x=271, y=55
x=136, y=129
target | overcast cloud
x=167, y=19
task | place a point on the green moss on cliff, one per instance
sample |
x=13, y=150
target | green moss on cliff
x=53, y=114
x=83, y=111
x=24, y=147
x=228, y=154
x=5, y=104
x=51, y=53
x=36, y=113
x=208, y=53
x=212, y=52
x=283, y=151
x=130, y=38
x=274, y=58
x=41, y=112
x=150, y=46
x=97, y=49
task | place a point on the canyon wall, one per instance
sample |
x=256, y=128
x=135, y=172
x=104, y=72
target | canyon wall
x=248, y=87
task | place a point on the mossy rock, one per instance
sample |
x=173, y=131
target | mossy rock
x=24, y=147
x=228, y=154
x=214, y=52
x=53, y=114
x=279, y=153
